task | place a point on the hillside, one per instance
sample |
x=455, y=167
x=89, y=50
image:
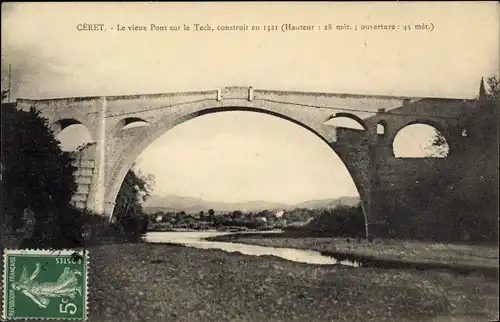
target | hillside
x=329, y=203
x=172, y=203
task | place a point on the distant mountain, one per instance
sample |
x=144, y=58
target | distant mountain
x=191, y=204
x=172, y=203
x=329, y=203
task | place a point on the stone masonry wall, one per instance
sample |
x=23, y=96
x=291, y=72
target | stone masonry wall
x=85, y=164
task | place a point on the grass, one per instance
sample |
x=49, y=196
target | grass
x=154, y=282
x=141, y=282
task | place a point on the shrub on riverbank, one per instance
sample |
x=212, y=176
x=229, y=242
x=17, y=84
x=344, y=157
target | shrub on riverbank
x=74, y=228
x=97, y=229
x=160, y=226
x=342, y=221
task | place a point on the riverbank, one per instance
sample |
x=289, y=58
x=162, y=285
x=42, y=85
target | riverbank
x=151, y=282
x=418, y=252
x=157, y=282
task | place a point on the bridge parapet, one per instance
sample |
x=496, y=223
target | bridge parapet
x=235, y=92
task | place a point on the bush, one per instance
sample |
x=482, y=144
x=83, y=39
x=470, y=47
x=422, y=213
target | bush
x=133, y=224
x=70, y=228
x=342, y=221
x=161, y=226
x=434, y=212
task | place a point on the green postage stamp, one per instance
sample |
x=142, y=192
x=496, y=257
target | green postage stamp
x=45, y=284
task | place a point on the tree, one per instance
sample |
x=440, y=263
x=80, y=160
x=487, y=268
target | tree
x=438, y=147
x=459, y=199
x=494, y=89
x=237, y=214
x=211, y=215
x=487, y=123
x=36, y=173
x=135, y=189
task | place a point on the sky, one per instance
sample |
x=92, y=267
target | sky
x=233, y=152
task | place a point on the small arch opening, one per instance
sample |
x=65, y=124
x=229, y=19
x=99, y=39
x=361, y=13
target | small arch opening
x=420, y=141
x=381, y=128
x=72, y=135
x=133, y=122
x=346, y=120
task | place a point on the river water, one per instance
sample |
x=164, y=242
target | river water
x=198, y=240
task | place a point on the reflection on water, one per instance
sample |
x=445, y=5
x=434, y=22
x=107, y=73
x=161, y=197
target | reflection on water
x=197, y=240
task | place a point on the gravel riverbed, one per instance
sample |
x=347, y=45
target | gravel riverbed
x=154, y=282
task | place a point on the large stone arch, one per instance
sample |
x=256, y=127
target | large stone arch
x=118, y=171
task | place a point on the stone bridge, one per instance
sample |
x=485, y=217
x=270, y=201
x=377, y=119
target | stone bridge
x=367, y=153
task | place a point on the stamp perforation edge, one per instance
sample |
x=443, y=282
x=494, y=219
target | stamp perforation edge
x=44, y=252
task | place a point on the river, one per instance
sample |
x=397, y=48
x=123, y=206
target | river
x=198, y=240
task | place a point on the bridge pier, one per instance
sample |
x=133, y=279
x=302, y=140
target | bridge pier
x=377, y=224
x=95, y=201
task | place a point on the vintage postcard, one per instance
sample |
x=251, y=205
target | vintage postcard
x=274, y=161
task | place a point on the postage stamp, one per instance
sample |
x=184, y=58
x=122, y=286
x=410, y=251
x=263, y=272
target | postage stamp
x=45, y=284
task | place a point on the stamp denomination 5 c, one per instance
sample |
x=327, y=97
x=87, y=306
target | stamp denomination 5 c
x=45, y=284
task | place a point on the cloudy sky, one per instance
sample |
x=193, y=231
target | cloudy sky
x=235, y=152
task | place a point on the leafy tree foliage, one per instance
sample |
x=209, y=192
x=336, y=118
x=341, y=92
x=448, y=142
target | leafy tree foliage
x=460, y=200
x=484, y=117
x=36, y=174
x=135, y=189
x=211, y=215
x=494, y=89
